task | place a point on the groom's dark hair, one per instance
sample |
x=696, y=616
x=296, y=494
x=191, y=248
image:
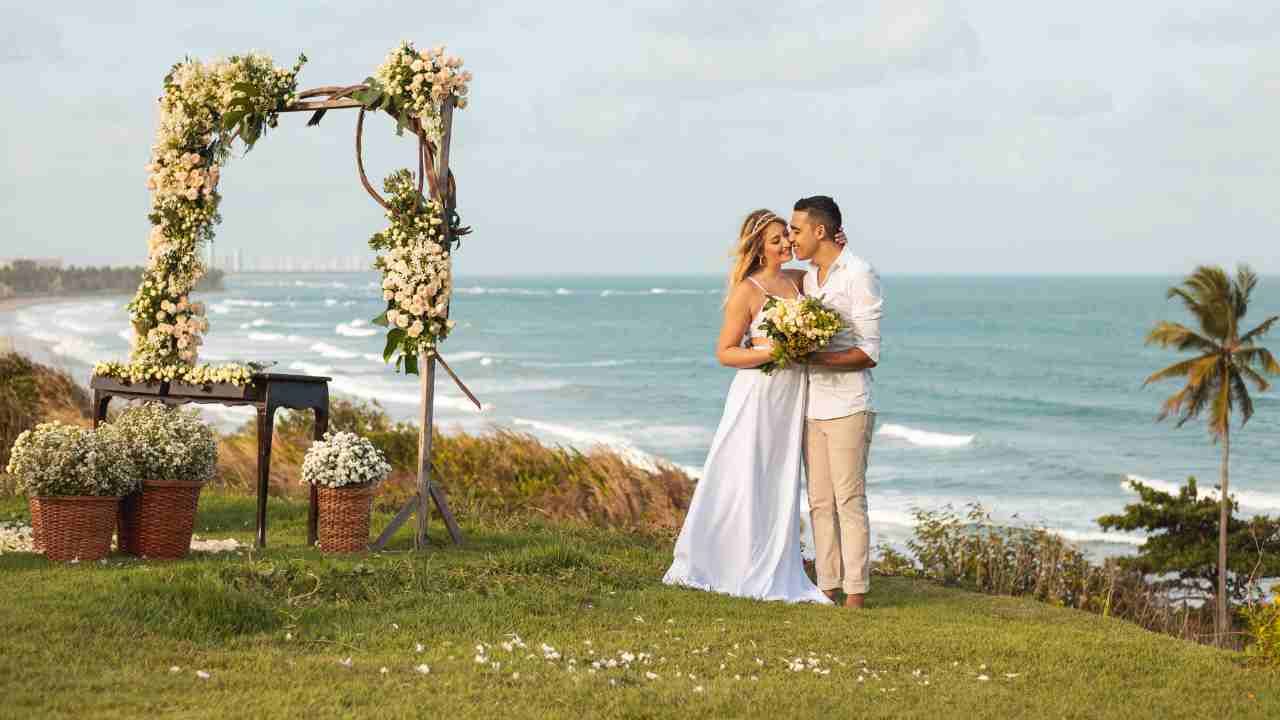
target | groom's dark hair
x=822, y=210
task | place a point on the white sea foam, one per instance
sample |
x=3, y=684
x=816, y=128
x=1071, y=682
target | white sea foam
x=239, y=302
x=478, y=290
x=356, y=328
x=563, y=291
x=1247, y=498
x=126, y=335
x=590, y=363
x=585, y=440
x=331, y=351
x=78, y=327
x=1097, y=536
x=310, y=368
x=68, y=346
x=462, y=357
x=924, y=438
x=655, y=291
x=219, y=308
x=486, y=361
x=260, y=322
x=507, y=387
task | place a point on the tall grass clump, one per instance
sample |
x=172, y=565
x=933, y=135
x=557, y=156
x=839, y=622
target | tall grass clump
x=500, y=472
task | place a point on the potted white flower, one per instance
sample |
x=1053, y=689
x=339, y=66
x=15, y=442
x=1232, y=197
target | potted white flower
x=345, y=468
x=77, y=477
x=174, y=454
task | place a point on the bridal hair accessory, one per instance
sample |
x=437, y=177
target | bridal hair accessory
x=762, y=222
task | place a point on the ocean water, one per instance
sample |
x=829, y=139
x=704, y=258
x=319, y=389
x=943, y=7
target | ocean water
x=1024, y=394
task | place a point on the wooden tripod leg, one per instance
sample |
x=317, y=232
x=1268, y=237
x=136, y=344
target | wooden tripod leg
x=442, y=505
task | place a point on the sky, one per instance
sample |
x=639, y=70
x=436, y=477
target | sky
x=980, y=136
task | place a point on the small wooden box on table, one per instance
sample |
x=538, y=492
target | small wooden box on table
x=266, y=393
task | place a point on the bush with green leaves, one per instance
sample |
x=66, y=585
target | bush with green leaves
x=1264, y=631
x=56, y=459
x=168, y=444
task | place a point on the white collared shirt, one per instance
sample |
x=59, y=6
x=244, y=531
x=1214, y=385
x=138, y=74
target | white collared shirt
x=852, y=290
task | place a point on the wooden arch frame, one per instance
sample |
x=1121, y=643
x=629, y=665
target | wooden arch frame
x=435, y=175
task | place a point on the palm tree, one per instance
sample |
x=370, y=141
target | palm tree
x=1218, y=377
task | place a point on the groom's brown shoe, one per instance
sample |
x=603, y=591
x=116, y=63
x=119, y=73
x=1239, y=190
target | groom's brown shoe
x=854, y=601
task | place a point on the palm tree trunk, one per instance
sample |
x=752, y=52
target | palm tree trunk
x=1224, y=518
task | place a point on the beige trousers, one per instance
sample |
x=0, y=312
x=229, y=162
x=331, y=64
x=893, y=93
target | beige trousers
x=835, y=454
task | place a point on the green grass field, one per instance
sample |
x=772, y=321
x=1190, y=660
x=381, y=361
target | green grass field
x=289, y=633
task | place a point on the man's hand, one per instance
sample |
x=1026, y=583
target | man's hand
x=851, y=359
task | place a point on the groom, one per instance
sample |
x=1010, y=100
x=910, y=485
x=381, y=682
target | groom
x=839, y=419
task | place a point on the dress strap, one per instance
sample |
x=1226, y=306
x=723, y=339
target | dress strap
x=753, y=282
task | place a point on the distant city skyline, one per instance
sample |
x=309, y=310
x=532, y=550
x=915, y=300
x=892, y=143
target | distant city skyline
x=959, y=136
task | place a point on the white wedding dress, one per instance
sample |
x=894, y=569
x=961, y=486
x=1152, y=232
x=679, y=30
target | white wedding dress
x=742, y=533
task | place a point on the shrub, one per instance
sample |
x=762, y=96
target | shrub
x=59, y=459
x=168, y=444
x=1263, y=621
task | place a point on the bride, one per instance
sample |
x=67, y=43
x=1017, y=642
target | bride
x=742, y=533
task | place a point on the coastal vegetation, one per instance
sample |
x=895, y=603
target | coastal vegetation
x=1227, y=361
x=23, y=278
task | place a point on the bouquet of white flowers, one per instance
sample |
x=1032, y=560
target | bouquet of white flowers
x=343, y=459
x=797, y=327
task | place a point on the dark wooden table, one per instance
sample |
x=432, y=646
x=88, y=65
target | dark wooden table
x=267, y=393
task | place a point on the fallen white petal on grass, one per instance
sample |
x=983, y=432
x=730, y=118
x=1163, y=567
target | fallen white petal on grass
x=202, y=675
x=174, y=669
x=638, y=619
x=983, y=678
x=345, y=662
x=698, y=689
x=418, y=647
x=423, y=669
x=199, y=544
x=1012, y=675
x=651, y=676
x=383, y=671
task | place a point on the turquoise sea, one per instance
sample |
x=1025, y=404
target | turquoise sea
x=1022, y=393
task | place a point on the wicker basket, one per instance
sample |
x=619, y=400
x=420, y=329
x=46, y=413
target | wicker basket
x=37, y=532
x=77, y=527
x=157, y=521
x=344, y=518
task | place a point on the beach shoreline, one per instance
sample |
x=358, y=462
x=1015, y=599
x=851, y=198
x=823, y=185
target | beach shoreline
x=19, y=302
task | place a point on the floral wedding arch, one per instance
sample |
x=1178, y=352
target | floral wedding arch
x=205, y=108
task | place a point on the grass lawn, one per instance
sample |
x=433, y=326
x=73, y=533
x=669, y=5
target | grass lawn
x=289, y=633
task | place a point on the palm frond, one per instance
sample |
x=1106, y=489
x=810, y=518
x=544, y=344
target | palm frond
x=1180, y=337
x=1260, y=358
x=1263, y=328
x=1260, y=383
x=1176, y=370
x=1246, y=281
x=1207, y=295
x=1197, y=398
x=1240, y=397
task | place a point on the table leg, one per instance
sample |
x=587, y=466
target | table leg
x=313, y=512
x=266, y=426
x=100, y=402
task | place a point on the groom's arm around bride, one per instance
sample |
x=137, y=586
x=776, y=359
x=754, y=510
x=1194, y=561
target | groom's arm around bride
x=840, y=417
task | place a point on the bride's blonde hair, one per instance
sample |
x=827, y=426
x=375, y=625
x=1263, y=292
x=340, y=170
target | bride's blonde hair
x=748, y=253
